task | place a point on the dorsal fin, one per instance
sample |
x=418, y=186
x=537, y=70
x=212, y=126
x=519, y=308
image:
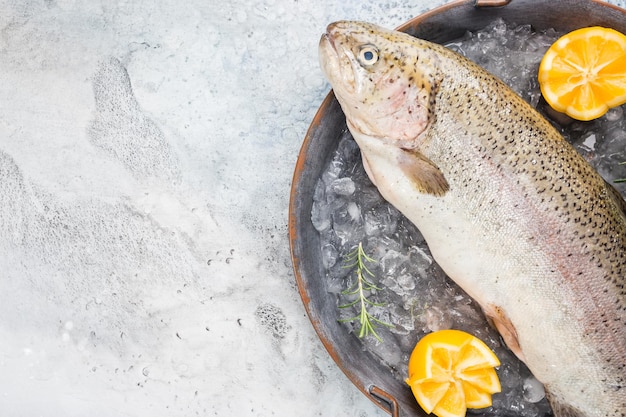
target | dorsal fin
x=423, y=173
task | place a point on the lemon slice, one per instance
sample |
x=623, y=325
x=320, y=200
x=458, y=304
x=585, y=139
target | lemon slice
x=583, y=74
x=450, y=371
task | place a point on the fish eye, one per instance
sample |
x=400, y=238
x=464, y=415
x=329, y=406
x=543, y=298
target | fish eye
x=368, y=55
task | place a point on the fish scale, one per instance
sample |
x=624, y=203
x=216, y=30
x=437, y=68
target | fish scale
x=509, y=209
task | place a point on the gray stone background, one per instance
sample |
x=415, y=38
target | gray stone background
x=146, y=155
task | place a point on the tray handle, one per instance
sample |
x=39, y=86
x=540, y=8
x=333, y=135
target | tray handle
x=491, y=3
x=386, y=400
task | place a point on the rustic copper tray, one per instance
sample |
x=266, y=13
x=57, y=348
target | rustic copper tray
x=440, y=25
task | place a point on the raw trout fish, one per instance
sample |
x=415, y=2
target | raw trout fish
x=509, y=209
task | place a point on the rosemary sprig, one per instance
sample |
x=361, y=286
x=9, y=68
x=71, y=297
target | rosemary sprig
x=621, y=179
x=358, y=258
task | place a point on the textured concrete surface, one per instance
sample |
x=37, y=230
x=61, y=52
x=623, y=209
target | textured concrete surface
x=146, y=154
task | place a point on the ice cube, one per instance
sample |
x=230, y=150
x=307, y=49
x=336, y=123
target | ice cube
x=422, y=256
x=434, y=318
x=333, y=171
x=393, y=262
x=354, y=212
x=533, y=390
x=320, y=216
x=590, y=142
x=342, y=186
x=379, y=221
x=614, y=114
x=329, y=255
x=347, y=223
x=402, y=285
x=406, y=282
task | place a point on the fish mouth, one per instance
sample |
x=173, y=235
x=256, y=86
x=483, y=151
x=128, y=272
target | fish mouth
x=326, y=45
x=328, y=56
x=336, y=62
x=334, y=31
x=327, y=39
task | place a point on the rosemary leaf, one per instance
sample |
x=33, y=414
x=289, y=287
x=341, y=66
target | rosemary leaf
x=358, y=259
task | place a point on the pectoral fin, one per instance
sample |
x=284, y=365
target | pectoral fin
x=505, y=328
x=423, y=173
x=560, y=409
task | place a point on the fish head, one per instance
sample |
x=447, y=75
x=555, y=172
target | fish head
x=384, y=80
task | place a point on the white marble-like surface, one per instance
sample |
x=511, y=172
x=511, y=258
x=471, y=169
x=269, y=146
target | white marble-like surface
x=146, y=155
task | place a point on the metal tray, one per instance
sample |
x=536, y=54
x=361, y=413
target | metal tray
x=440, y=25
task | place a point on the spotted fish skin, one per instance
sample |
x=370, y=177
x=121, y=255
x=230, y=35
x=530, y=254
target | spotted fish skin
x=509, y=209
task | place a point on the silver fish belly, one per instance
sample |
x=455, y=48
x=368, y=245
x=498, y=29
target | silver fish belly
x=509, y=209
